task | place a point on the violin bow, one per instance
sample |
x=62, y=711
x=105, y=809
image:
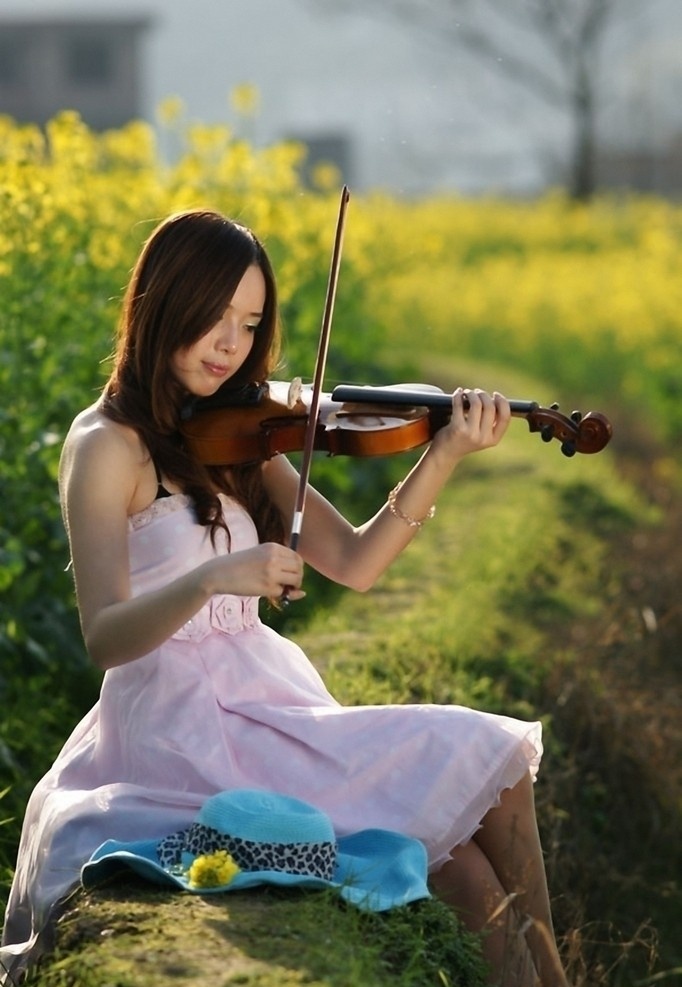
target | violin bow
x=320, y=363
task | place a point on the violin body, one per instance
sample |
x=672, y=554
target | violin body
x=355, y=421
x=233, y=435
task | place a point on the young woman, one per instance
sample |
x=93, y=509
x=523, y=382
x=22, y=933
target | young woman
x=170, y=559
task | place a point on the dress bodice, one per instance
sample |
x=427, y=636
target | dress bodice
x=165, y=542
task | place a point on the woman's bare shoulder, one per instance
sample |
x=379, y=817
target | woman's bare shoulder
x=97, y=445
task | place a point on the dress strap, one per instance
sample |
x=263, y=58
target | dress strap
x=160, y=489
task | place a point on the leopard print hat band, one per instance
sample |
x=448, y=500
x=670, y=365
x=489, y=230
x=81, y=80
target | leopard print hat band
x=261, y=831
x=314, y=859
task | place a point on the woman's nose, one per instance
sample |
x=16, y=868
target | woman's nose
x=228, y=338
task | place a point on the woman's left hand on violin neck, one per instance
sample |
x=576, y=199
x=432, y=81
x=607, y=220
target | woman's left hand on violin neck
x=479, y=421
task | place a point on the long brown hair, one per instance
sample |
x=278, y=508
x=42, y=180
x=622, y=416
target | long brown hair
x=184, y=278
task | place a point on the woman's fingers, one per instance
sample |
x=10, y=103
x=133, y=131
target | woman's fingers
x=284, y=568
x=480, y=417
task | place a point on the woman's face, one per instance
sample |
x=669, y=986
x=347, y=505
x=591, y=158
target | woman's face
x=217, y=355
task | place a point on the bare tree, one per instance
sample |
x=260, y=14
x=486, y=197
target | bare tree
x=548, y=48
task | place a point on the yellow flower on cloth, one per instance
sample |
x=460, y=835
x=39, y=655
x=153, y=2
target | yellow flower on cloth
x=212, y=870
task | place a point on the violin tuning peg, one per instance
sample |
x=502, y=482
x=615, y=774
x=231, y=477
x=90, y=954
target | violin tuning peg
x=554, y=406
x=576, y=416
x=547, y=433
x=568, y=448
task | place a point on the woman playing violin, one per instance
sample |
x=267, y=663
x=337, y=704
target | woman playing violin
x=170, y=558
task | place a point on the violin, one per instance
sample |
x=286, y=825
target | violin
x=259, y=421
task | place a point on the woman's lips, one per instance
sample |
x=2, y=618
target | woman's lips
x=216, y=369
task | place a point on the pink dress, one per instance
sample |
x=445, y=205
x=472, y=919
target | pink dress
x=227, y=702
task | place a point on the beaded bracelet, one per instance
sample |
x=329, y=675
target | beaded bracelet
x=396, y=512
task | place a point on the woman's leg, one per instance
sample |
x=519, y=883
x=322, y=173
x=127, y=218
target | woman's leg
x=469, y=884
x=497, y=884
x=510, y=840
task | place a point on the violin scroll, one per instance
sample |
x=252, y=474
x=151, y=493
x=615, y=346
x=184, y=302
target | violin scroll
x=588, y=433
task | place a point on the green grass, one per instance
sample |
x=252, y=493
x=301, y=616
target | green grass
x=132, y=936
x=519, y=544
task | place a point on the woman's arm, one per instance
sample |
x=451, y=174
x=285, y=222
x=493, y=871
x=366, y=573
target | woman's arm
x=102, y=469
x=357, y=556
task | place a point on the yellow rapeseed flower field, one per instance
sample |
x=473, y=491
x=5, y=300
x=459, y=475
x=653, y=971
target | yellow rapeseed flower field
x=588, y=297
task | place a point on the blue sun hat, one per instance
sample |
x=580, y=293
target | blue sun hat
x=247, y=837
